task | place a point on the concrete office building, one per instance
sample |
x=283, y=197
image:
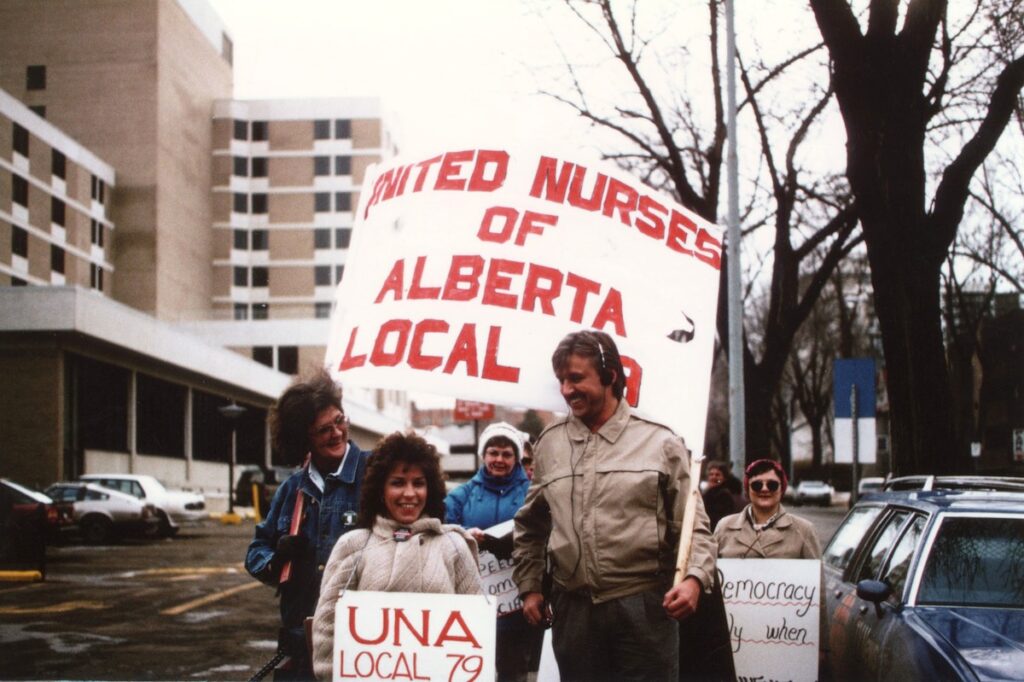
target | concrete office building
x=126, y=168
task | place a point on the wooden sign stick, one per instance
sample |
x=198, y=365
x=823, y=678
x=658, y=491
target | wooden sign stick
x=689, y=518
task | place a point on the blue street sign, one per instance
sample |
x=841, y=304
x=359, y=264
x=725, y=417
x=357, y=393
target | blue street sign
x=859, y=372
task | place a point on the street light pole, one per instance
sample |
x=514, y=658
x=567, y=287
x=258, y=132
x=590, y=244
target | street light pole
x=737, y=401
x=232, y=412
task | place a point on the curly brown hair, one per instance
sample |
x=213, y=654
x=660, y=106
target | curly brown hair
x=295, y=412
x=395, y=450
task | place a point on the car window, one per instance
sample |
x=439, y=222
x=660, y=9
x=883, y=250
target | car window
x=880, y=546
x=136, y=489
x=62, y=494
x=844, y=543
x=95, y=495
x=899, y=563
x=975, y=561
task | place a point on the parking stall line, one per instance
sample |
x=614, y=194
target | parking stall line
x=63, y=607
x=208, y=599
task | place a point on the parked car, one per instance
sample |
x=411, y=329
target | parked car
x=173, y=507
x=268, y=478
x=100, y=513
x=993, y=483
x=813, y=492
x=871, y=484
x=927, y=585
x=28, y=520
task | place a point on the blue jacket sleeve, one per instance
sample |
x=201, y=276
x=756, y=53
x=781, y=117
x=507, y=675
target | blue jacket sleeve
x=453, y=505
x=260, y=556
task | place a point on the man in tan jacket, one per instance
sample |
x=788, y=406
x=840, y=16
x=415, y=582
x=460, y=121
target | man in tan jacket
x=605, y=508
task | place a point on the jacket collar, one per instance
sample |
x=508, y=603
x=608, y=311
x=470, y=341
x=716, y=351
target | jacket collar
x=610, y=430
x=738, y=521
x=347, y=473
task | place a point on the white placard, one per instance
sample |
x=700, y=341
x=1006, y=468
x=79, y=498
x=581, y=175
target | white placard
x=413, y=636
x=773, y=607
x=496, y=578
x=467, y=267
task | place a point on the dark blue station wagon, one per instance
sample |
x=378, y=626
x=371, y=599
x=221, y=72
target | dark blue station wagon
x=926, y=585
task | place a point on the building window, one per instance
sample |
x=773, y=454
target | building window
x=321, y=165
x=259, y=167
x=58, y=212
x=321, y=130
x=241, y=240
x=259, y=203
x=98, y=190
x=241, y=130
x=241, y=311
x=19, y=241
x=260, y=277
x=342, y=201
x=260, y=311
x=321, y=310
x=101, y=404
x=160, y=414
x=241, y=203
x=56, y=259
x=322, y=202
x=263, y=355
x=20, y=141
x=321, y=238
x=59, y=164
x=342, y=129
x=96, y=232
x=19, y=190
x=339, y=270
x=342, y=237
x=288, y=359
x=35, y=77
x=322, y=275
x=241, y=277
x=260, y=131
x=260, y=240
x=240, y=166
x=211, y=432
x=343, y=165
x=95, y=277
x=39, y=110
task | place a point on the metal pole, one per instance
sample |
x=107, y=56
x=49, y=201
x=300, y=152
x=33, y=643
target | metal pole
x=231, y=471
x=854, y=440
x=737, y=402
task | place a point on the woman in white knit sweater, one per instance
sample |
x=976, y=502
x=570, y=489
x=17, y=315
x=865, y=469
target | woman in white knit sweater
x=401, y=544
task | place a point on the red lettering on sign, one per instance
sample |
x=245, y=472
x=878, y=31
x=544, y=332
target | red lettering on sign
x=464, y=352
x=498, y=282
x=447, y=635
x=489, y=159
x=611, y=313
x=393, y=282
x=634, y=377
x=385, y=613
x=534, y=291
x=380, y=356
x=584, y=287
x=416, y=358
x=422, y=636
x=450, y=167
x=492, y=369
x=463, y=281
x=416, y=290
x=352, y=361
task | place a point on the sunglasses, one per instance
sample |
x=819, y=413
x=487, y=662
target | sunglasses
x=757, y=486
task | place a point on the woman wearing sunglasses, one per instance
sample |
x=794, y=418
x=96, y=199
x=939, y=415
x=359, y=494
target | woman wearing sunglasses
x=764, y=529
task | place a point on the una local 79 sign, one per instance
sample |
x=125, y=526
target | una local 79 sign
x=468, y=266
x=412, y=636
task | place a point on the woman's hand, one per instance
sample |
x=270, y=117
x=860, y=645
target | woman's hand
x=681, y=601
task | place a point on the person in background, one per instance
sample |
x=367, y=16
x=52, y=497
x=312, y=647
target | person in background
x=605, y=508
x=308, y=419
x=493, y=496
x=401, y=545
x=718, y=499
x=764, y=529
x=527, y=460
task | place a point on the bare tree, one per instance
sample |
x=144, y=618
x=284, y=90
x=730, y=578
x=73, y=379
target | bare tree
x=675, y=144
x=909, y=119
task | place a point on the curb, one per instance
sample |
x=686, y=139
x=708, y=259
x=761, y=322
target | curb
x=20, y=576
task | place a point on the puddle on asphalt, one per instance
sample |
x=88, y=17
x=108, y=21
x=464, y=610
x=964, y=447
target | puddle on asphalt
x=209, y=673
x=60, y=643
x=202, y=616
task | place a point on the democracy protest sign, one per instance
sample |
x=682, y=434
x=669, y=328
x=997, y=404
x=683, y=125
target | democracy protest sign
x=413, y=636
x=467, y=267
x=773, y=607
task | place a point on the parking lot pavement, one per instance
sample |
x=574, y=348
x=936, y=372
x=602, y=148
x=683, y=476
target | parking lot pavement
x=171, y=609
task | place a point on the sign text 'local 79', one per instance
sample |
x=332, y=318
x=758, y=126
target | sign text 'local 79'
x=413, y=636
x=468, y=266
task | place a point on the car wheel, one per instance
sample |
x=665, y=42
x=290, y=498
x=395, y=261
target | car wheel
x=95, y=529
x=166, y=530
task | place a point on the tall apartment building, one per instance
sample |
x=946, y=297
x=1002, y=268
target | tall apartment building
x=54, y=227
x=134, y=81
x=220, y=216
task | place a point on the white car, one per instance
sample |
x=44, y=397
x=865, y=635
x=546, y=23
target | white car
x=813, y=492
x=173, y=507
x=100, y=512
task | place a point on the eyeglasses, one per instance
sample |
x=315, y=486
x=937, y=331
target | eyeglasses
x=771, y=485
x=339, y=423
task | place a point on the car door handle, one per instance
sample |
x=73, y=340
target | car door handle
x=863, y=610
x=838, y=593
